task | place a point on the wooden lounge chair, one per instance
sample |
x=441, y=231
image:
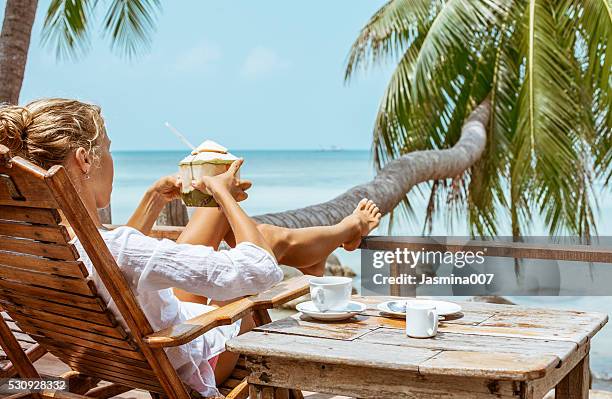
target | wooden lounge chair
x=45, y=289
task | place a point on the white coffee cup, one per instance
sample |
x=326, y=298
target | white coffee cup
x=421, y=320
x=331, y=293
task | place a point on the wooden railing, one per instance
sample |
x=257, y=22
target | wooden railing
x=174, y=217
x=578, y=253
x=505, y=249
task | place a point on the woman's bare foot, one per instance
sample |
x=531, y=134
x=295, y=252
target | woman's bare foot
x=364, y=219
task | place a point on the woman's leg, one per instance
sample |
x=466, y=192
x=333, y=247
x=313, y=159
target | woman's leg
x=318, y=269
x=308, y=248
x=305, y=248
x=207, y=226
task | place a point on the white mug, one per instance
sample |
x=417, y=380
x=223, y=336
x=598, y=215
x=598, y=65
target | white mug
x=331, y=293
x=421, y=320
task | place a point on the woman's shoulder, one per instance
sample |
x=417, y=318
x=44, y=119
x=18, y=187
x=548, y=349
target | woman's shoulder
x=127, y=240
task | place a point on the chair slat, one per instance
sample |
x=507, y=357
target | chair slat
x=130, y=372
x=38, y=264
x=47, y=250
x=141, y=383
x=63, y=321
x=58, y=347
x=102, y=362
x=46, y=326
x=13, y=302
x=46, y=280
x=18, y=333
x=54, y=234
x=34, y=331
x=22, y=185
x=30, y=215
x=94, y=304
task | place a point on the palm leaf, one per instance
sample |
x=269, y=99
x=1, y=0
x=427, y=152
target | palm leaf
x=390, y=30
x=130, y=24
x=392, y=127
x=452, y=34
x=454, y=71
x=595, y=18
x=66, y=27
x=487, y=191
x=545, y=65
x=551, y=137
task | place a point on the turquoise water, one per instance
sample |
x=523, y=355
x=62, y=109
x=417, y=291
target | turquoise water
x=281, y=179
x=291, y=179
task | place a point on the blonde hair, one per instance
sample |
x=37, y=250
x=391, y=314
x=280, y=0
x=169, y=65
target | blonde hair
x=46, y=131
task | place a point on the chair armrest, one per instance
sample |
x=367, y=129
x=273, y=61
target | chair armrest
x=281, y=293
x=189, y=330
x=169, y=232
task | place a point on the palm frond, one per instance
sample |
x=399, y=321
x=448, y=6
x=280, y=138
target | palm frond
x=448, y=78
x=389, y=31
x=595, y=18
x=459, y=63
x=452, y=34
x=66, y=27
x=130, y=23
x=551, y=136
x=545, y=65
x=486, y=194
x=392, y=127
x=488, y=176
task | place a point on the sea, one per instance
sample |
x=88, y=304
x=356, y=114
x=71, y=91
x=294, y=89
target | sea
x=284, y=180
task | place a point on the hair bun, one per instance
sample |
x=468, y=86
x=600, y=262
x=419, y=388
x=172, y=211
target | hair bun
x=14, y=123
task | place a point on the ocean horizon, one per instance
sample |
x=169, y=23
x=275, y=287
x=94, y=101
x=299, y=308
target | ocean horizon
x=290, y=179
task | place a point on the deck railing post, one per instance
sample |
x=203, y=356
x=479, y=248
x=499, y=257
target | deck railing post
x=105, y=215
x=173, y=214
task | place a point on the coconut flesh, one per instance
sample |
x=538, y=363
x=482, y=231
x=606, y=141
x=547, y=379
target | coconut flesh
x=208, y=159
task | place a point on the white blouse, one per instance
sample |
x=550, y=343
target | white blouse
x=153, y=267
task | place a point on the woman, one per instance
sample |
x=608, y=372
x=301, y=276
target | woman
x=71, y=133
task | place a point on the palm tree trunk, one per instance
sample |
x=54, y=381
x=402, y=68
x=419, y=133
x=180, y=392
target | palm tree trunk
x=397, y=178
x=14, y=44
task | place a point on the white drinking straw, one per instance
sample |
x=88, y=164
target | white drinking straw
x=180, y=136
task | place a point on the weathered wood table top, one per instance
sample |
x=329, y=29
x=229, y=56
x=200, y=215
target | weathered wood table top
x=488, y=350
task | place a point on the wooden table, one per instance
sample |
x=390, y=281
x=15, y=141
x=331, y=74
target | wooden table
x=489, y=351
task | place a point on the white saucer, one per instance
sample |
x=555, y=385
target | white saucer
x=309, y=309
x=396, y=308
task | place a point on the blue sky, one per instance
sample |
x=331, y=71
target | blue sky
x=249, y=74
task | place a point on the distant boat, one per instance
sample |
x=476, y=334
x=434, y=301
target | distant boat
x=332, y=148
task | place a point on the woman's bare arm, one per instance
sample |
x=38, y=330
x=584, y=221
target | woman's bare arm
x=155, y=198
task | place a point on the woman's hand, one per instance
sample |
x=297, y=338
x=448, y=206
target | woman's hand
x=227, y=189
x=225, y=182
x=168, y=188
